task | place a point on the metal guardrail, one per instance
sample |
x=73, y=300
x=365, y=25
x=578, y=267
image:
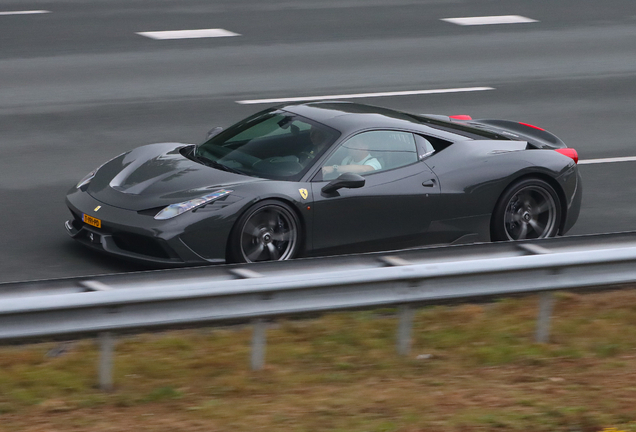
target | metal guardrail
x=219, y=273
x=138, y=302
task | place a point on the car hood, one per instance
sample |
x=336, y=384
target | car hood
x=158, y=175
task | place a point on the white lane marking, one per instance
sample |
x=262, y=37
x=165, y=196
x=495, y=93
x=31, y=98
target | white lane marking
x=364, y=95
x=487, y=20
x=26, y=12
x=188, y=34
x=608, y=160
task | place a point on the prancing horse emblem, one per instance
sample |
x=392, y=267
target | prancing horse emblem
x=97, y=208
x=303, y=193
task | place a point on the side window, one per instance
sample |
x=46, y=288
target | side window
x=429, y=145
x=426, y=148
x=371, y=152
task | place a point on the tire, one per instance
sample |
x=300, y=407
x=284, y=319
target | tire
x=267, y=231
x=528, y=209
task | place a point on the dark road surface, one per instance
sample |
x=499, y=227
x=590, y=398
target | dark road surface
x=79, y=86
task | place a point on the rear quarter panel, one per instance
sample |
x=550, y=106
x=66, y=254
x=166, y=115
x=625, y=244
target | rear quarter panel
x=473, y=174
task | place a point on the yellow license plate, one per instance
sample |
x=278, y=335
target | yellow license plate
x=97, y=223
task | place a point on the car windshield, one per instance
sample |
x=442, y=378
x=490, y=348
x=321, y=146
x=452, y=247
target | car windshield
x=272, y=144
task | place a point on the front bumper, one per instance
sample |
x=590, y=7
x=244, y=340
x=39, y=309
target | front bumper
x=187, y=239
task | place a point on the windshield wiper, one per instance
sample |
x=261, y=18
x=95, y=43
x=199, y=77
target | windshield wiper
x=214, y=164
x=226, y=168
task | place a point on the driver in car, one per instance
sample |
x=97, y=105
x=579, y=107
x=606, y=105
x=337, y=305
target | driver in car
x=358, y=159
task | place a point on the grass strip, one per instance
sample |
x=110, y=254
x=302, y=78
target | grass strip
x=472, y=368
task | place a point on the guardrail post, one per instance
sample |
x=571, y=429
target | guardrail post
x=106, y=344
x=258, y=344
x=546, y=302
x=405, y=323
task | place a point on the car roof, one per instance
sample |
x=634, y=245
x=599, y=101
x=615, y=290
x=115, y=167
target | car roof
x=339, y=113
x=349, y=117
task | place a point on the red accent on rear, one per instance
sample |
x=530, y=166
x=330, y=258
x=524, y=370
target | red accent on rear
x=532, y=126
x=461, y=117
x=569, y=152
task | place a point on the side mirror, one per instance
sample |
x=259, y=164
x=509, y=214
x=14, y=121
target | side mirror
x=345, y=180
x=214, y=132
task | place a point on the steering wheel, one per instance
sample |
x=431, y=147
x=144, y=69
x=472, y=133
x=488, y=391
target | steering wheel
x=280, y=165
x=281, y=159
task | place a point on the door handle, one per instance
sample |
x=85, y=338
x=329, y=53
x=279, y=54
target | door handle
x=429, y=183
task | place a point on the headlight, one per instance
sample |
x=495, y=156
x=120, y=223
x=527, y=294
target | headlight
x=176, y=209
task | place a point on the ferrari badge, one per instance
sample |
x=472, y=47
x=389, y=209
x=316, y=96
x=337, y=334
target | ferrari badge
x=303, y=193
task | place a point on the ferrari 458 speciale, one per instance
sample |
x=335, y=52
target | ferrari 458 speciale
x=326, y=178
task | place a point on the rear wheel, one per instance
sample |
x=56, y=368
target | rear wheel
x=268, y=231
x=528, y=209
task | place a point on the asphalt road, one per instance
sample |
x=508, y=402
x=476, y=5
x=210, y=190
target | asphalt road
x=78, y=86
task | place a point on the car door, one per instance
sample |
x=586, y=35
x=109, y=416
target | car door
x=392, y=210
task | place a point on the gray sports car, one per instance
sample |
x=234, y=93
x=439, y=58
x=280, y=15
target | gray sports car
x=326, y=178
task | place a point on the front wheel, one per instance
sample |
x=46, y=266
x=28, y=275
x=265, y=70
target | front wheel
x=528, y=209
x=268, y=231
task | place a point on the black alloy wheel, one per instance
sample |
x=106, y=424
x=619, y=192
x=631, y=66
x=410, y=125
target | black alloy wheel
x=269, y=231
x=528, y=209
